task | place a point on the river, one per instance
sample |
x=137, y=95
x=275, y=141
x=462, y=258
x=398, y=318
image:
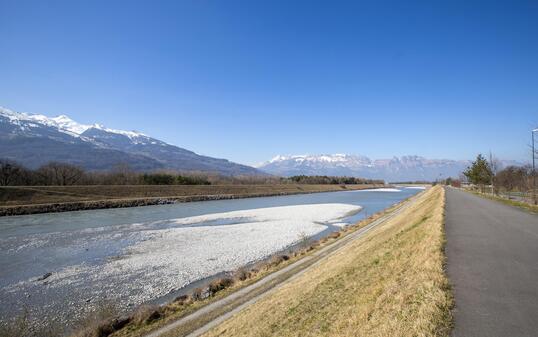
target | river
x=59, y=266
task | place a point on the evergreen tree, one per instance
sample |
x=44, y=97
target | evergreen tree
x=479, y=173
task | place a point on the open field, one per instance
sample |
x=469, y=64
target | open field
x=41, y=199
x=390, y=282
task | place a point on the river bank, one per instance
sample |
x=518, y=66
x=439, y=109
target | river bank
x=52, y=199
x=65, y=265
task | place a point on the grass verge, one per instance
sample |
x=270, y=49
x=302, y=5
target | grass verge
x=520, y=204
x=391, y=282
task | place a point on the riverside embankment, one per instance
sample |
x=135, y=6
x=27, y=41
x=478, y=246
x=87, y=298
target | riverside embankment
x=134, y=255
x=20, y=200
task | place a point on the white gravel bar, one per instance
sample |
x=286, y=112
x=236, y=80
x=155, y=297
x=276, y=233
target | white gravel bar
x=382, y=190
x=167, y=255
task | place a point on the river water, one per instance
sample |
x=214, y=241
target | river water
x=59, y=266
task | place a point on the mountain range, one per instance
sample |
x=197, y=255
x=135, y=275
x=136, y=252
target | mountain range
x=33, y=140
x=405, y=168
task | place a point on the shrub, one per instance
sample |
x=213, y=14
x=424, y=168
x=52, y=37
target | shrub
x=313, y=246
x=242, y=274
x=276, y=260
x=197, y=294
x=220, y=284
x=146, y=313
x=158, y=179
x=100, y=322
x=183, y=299
x=334, y=235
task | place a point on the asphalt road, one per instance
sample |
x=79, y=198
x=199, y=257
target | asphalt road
x=492, y=252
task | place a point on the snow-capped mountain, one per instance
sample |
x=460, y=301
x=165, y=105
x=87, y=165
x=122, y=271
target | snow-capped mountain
x=34, y=139
x=405, y=168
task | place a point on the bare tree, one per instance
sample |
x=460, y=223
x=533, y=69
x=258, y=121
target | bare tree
x=495, y=165
x=10, y=172
x=122, y=174
x=62, y=174
x=512, y=178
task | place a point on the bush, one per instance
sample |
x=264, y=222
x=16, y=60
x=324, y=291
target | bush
x=100, y=322
x=242, y=274
x=146, y=313
x=277, y=259
x=186, y=180
x=313, y=246
x=220, y=284
x=197, y=294
x=183, y=299
x=158, y=179
x=335, y=235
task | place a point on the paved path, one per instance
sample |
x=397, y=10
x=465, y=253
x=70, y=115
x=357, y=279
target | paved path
x=492, y=252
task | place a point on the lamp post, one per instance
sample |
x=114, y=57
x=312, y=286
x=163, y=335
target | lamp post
x=533, y=168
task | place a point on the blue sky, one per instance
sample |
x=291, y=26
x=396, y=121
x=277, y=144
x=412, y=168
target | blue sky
x=246, y=80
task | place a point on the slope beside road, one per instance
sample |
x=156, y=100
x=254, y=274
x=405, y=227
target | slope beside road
x=212, y=315
x=492, y=252
x=389, y=282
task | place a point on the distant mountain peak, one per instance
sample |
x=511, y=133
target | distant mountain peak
x=319, y=159
x=64, y=123
x=35, y=139
x=404, y=168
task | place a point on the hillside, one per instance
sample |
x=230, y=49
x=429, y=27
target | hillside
x=34, y=140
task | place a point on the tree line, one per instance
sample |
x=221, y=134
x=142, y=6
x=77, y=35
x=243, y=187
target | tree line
x=64, y=174
x=303, y=179
x=482, y=173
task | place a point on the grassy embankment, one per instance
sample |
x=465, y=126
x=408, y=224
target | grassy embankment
x=41, y=199
x=391, y=282
x=516, y=203
x=149, y=318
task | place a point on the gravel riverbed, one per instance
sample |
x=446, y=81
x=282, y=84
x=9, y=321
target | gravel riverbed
x=133, y=263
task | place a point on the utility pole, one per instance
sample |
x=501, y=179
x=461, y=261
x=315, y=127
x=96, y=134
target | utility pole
x=533, y=169
x=492, y=171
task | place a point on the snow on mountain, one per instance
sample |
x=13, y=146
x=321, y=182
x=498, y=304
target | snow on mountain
x=405, y=168
x=335, y=159
x=63, y=123
x=97, y=147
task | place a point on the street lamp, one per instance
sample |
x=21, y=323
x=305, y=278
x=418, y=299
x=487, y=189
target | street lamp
x=533, y=168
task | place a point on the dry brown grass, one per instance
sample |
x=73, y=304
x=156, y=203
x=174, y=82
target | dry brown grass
x=529, y=207
x=30, y=195
x=199, y=297
x=391, y=282
x=146, y=313
x=334, y=235
x=101, y=322
x=220, y=284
